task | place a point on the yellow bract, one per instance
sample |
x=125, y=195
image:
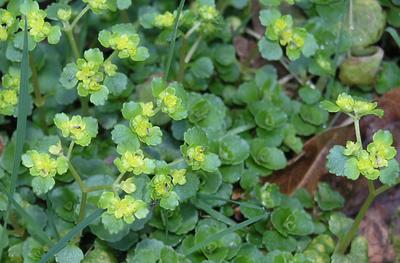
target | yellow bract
x=208, y=12
x=64, y=14
x=147, y=109
x=38, y=28
x=97, y=4
x=3, y=34
x=164, y=20
x=196, y=153
x=140, y=125
x=178, y=176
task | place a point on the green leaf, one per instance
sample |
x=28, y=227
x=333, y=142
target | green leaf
x=211, y=163
x=310, y=46
x=339, y=224
x=141, y=54
x=327, y=198
x=313, y=114
x=100, y=97
x=390, y=174
x=70, y=254
x=42, y=185
x=310, y=95
x=351, y=170
x=272, y=240
x=267, y=16
x=270, y=50
x=54, y=35
x=336, y=160
x=124, y=4
x=294, y=222
x=195, y=136
x=116, y=84
x=329, y=106
x=125, y=139
x=268, y=157
x=233, y=150
x=202, y=68
x=170, y=202
x=227, y=231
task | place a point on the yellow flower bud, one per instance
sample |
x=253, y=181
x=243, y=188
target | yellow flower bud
x=64, y=14
x=147, y=109
x=164, y=20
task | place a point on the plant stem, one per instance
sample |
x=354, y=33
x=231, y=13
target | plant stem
x=82, y=208
x=76, y=176
x=346, y=240
x=192, y=50
x=182, y=65
x=99, y=188
x=39, y=100
x=70, y=148
x=79, y=16
x=357, y=129
x=175, y=33
x=72, y=42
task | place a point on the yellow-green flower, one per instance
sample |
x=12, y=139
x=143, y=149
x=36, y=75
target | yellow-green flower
x=3, y=33
x=161, y=185
x=8, y=101
x=64, y=14
x=101, y=5
x=80, y=129
x=366, y=165
x=109, y=68
x=128, y=186
x=147, y=109
x=352, y=148
x=40, y=164
x=126, y=208
x=141, y=125
x=165, y=20
x=134, y=162
x=178, y=176
x=345, y=102
x=208, y=12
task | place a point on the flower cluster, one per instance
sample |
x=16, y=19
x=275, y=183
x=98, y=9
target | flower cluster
x=209, y=17
x=171, y=98
x=281, y=29
x=134, y=162
x=196, y=152
x=125, y=41
x=369, y=162
x=9, y=94
x=90, y=75
x=7, y=24
x=126, y=208
x=165, y=20
x=353, y=107
x=39, y=29
x=139, y=115
x=101, y=5
x=44, y=167
x=64, y=14
x=79, y=129
x=162, y=185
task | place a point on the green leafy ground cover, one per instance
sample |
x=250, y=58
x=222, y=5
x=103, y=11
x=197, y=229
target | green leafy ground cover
x=136, y=131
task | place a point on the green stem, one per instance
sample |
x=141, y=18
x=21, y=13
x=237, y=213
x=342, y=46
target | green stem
x=72, y=42
x=85, y=105
x=70, y=148
x=175, y=33
x=346, y=240
x=176, y=161
x=82, y=208
x=79, y=16
x=39, y=100
x=192, y=50
x=76, y=176
x=357, y=129
x=99, y=188
x=182, y=65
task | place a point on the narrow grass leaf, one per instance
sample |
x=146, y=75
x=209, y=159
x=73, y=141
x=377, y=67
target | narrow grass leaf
x=70, y=235
x=240, y=203
x=174, y=34
x=215, y=214
x=229, y=230
x=21, y=124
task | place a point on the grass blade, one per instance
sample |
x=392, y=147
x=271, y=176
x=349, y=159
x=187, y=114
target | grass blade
x=229, y=230
x=70, y=235
x=394, y=35
x=172, y=47
x=214, y=213
x=21, y=124
x=33, y=228
x=240, y=203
